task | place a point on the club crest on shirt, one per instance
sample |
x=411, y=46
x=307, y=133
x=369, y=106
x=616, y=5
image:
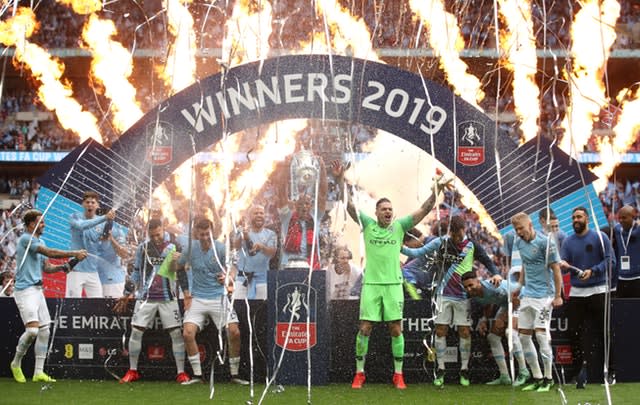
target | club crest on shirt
x=471, y=135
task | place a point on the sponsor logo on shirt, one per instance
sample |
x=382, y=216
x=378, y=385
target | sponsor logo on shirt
x=381, y=242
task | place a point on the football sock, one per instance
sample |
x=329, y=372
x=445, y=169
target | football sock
x=531, y=355
x=135, y=346
x=441, y=348
x=234, y=365
x=25, y=341
x=40, y=349
x=177, y=345
x=517, y=351
x=397, y=348
x=546, y=352
x=195, y=364
x=465, y=352
x=362, y=347
x=495, y=342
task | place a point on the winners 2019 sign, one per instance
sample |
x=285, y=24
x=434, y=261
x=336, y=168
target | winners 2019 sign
x=314, y=87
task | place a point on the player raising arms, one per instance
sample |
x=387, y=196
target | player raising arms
x=382, y=297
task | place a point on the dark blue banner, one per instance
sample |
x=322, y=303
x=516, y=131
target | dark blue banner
x=505, y=178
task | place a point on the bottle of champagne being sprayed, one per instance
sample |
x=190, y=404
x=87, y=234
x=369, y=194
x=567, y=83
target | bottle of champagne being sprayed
x=71, y=264
x=108, y=225
x=249, y=246
x=248, y=243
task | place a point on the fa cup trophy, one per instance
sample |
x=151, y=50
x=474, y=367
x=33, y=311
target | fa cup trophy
x=304, y=173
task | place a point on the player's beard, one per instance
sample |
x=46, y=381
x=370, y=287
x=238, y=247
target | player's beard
x=342, y=268
x=579, y=227
x=205, y=244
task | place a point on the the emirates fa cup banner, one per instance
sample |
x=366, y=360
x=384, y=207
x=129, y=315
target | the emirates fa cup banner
x=298, y=326
x=296, y=303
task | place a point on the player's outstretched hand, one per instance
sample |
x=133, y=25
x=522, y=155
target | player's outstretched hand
x=443, y=183
x=122, y=305
x=337, y=168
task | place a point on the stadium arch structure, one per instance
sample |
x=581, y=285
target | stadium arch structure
x=504, y=177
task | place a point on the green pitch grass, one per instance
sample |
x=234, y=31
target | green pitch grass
x=72, y=392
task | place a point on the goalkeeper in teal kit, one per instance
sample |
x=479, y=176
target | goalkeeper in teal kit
x=382, y=298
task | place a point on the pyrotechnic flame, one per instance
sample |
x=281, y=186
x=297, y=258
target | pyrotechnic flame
x=241, y=34
x=246, y=38
x=627, y=131
x=179, y=72
x=212, y=179
x=520, y=46
x=112, y=65
x=470, y=201
x=162, y=196
x=83, y=6
x=348, y=35
x=348, y=32
x=180, y=69
x=19, y=27
x=447, y=42
x=53, y=93
x=226, y=164
x=316, y=45
x=216, y=175
x=278, y=143
x=247, y=32
x=592, y=34
x=182, y=177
